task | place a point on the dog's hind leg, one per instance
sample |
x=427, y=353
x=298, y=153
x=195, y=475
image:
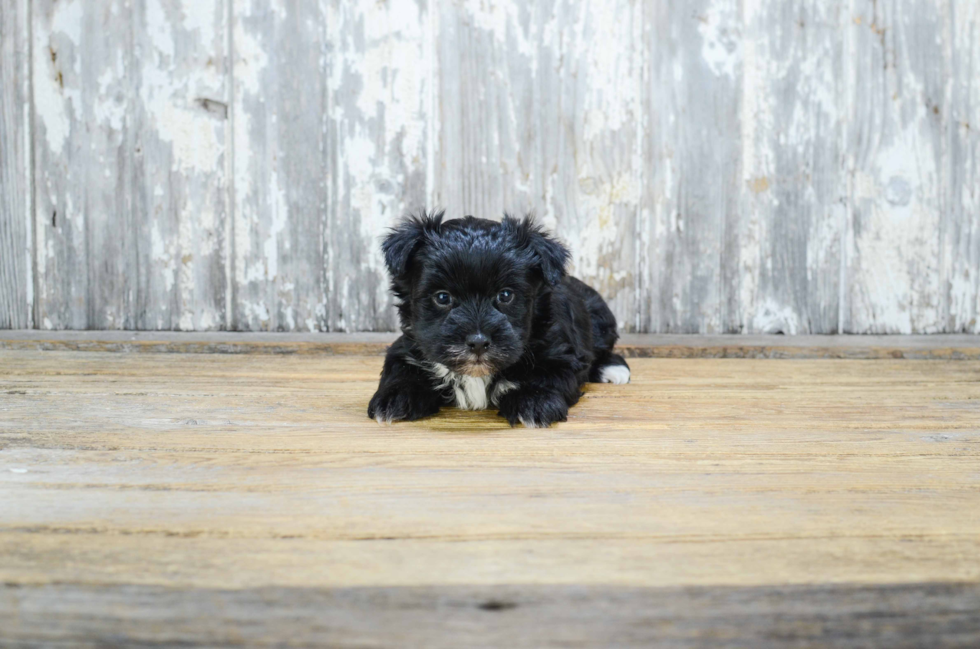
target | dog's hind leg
x=609, y=368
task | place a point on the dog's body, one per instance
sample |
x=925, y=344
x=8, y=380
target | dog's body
x=489, y=318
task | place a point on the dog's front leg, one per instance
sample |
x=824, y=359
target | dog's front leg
x=541, y=398
x=406, y=392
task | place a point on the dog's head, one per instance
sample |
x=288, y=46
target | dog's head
x=467, y=287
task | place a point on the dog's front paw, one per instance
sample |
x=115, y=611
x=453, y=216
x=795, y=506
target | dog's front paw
x=402, y=403
x=533, y=409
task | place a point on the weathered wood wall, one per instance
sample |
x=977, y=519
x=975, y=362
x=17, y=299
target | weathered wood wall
x=16, y=247
x=796, y=166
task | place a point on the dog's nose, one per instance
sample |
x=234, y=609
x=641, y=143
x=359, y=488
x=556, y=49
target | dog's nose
x=477, y=343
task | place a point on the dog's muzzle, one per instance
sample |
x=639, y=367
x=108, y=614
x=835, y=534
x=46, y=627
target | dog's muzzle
x=478, y=366
x=475, y=357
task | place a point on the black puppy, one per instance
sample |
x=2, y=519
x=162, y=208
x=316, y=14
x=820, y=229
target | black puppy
x=489, y=317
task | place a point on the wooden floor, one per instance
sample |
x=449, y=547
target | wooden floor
x=225, y=500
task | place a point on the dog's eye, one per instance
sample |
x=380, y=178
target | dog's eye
x=505, y=296
x=442, y=298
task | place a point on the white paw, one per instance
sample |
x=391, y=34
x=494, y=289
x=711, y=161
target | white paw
x=615, y=374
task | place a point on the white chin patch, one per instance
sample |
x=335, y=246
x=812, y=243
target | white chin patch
x=618, y=374
x=470, y=392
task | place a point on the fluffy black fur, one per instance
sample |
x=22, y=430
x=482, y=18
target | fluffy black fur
x=490, y=318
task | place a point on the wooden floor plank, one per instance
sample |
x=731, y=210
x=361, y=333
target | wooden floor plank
x=897, y=617
x=230, y=477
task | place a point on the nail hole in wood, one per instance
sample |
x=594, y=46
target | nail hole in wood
x=496, y=605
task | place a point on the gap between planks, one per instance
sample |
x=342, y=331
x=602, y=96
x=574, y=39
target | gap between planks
x=910, y=347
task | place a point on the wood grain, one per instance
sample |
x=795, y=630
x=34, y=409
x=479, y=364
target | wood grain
x=898, y=617
x=537, y=118
x=716, y=166
x=848, y=471
x=692, y=150
x=129, y=149
x=330, y=148
x=280, y=166
x=961, y=232
x=381, y=93
x=788, y=232
x=897, y=211
x=168, y=497
x=16, y=214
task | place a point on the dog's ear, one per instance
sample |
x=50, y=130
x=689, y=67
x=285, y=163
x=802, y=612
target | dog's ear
x=405, y=239
x=548, y=253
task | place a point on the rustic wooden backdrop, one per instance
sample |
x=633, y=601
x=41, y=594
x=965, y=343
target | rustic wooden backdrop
x=796, y=166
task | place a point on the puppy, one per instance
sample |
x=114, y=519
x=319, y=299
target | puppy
x=489, y=318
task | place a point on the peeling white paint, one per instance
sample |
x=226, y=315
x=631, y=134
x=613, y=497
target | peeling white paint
x=603, y=232
x=721, y=38
x=164, y=253
x=196, y=138
x=158, y=27
x=200, y=16
x=108, y=108
x=899, y=243
x=279, y=213
x=251, y=58
x=609, y=103
x=607, y=143
x=382, y=127
x=773, y=318
x=756, y=124
x=52, y=100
